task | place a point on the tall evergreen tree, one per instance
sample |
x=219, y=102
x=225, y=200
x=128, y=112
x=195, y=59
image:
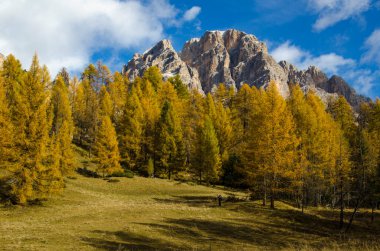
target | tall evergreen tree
x=85, y=113
x=154, y=76
x=105, y=103
x=207, y=159
x=343, y=115
x=35, y=176
x=151, y=114
x=131, y=131
x=243, y=103
x=6, y=131
x=106, y=148
x=12, y=74
x=272, y=142
x=118, y=90
x=194, y=112
x=180, y=87
x=170, y=150
x=63, y=125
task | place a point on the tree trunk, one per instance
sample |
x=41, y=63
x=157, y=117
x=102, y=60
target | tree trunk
x=265, y=193
x=170, y=173
x=353, y=215
x=333, y=198
x=200, y=177
x=341, y=218
x=315, y=199
x=372, y=212
x=271, y=199
x=303, y=198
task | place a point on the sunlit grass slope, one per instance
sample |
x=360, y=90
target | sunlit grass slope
x=147, y=214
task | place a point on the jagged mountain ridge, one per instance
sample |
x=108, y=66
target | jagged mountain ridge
x=234, y=57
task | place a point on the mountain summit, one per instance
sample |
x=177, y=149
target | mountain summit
x=234, y=58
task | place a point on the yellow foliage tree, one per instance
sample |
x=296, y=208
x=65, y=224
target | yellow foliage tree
x=35, y=175
x=131, y=131
x=272, y=142
x=6, y=131
x=63, y=125
x=106, y=148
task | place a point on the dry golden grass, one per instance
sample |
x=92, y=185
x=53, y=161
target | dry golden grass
x=143, y=214
x=150, y=214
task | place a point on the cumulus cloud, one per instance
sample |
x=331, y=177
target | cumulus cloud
x=192, y=13
x=372, y=46
x=67, y=33
x=330, y=63
x=362, y=79
x=331, y=12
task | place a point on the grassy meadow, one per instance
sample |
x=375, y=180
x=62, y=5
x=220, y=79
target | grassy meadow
x=155, y=214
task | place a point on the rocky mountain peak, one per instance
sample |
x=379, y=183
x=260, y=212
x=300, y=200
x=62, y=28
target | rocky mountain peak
x=161, y=46
x=164, y=56
x=234, y=57
x=222, y=57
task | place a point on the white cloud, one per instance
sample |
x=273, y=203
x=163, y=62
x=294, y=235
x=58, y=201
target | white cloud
x=330, y=63
x=372, y=46
x=192, y=13
x=363, y=80
x=333, y=11
x=67, y=33
x=289, y=52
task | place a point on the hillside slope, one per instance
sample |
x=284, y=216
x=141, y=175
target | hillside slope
x=150, y=214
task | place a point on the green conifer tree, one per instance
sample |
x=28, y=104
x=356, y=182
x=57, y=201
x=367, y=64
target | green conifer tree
x=207, y=159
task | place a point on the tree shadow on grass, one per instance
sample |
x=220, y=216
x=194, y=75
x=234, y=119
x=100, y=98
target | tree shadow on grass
x=224, y=233
x=121, y=240
x=232, y=233
x=315, y=223
x=197, y=234
x=194, y=201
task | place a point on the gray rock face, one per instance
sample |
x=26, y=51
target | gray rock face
x=210, y=58
x=314, y=79
x=234, y=58
x=337, y=85
x=311, y=76
x=167, y=60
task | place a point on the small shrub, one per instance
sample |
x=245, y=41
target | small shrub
x=126, y=173
x=117, y=174
x=150, y=168
x=37, y=202
x=113, y=180
x=129, y=174
x=88, y=173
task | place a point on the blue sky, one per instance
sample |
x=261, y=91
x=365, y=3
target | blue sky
x=339, y=36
